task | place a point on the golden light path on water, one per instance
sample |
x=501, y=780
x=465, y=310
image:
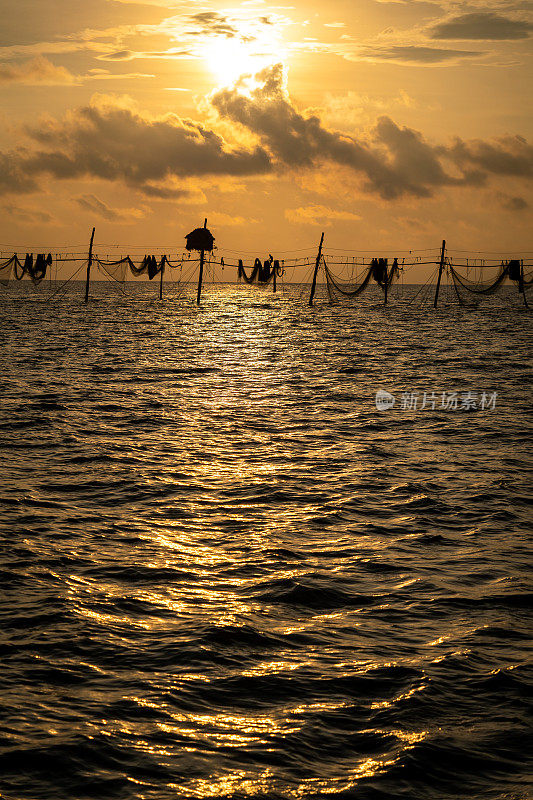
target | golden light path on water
x=256, y=585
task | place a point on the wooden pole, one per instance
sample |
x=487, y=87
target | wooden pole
x=201, y=273
x=386, y=283
x=200, y=277
x=273, y=276
x=161, y=280
x=522, y=285
x=441, y=267
x=89, y=262
x=317, y=264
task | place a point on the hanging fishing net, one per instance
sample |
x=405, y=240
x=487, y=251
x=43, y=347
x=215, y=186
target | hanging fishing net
x=6, y=269
x=114, y=269
x=472, y=292
x=262, y=272
x=338, y=289
x=465, y=286
x=378, y=270
x=522, y=276
x=35, y=269
x=118, y=269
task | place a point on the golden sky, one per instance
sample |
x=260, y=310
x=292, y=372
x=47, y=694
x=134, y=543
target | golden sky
x=386, y=124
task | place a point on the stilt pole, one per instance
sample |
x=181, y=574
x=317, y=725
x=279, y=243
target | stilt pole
x=161, y=281
x=274, y=287
x=317, y=264
x=200, y=277
x=521, y=287
x=89, y=262
x=201, y=273
x=386, y=284
x=441, y=267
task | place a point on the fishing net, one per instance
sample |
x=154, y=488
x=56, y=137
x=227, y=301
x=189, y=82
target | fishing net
x=523, y=278
x=149, y=266
x=338, y=289
x=378, y=270
x=262, y=272
x=472, y=292
x=6, y=269
x=36, y=269
x=465, y=286
x=114, y=269
x=118, y=269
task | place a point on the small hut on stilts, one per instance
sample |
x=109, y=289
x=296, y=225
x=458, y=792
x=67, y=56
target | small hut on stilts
x=203, y=240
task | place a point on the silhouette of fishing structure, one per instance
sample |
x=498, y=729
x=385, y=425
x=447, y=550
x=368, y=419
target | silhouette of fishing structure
x=344, y=278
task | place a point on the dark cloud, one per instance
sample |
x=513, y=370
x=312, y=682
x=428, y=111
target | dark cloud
x=96, y=206
x=482, y=25
x=13, y=177
x=164, y=192
x=118, y=55
x=395, y=162
x=510, y=156
x=107, y=141
x=210, y=22
x=28, y=214
x=91, y=203
x=413, y=54
x=514, y=203
x=112, y=141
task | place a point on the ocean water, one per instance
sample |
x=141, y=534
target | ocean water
x=225, y=574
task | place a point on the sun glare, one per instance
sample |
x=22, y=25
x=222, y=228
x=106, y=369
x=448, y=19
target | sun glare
x=230, y=57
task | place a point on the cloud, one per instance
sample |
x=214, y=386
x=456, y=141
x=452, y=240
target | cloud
x=408, y=47
x=118, y=55
x=484, y=5
x=109, y=139
x=160, y=3
x=513, y=203
x=37, y=71
x=395, y=162
x=509, y=156
x=72, y=45
x=310, y=215
x=484, y=25
x=412, y=54
x=40, y=71
x=28, y=214
x=105, y=75
x=229, y=220
x=164, y=191
x=90, y=202
x=211, y=22
x=13, y=175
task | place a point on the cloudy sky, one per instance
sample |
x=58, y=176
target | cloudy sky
x=384, y=123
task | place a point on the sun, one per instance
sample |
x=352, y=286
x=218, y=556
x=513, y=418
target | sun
x=229, y=57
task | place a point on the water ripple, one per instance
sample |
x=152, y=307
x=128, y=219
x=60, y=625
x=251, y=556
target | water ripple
x=227, y=575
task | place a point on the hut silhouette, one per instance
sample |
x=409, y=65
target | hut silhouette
x=200, y=239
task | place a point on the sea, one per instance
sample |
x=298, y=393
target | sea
x=225, y=572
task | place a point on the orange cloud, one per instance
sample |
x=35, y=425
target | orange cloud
x=37, y=71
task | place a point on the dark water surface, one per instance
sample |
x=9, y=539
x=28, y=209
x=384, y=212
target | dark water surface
x=225, y=574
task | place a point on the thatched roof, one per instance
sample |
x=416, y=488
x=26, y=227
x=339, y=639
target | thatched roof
x=200, y=239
